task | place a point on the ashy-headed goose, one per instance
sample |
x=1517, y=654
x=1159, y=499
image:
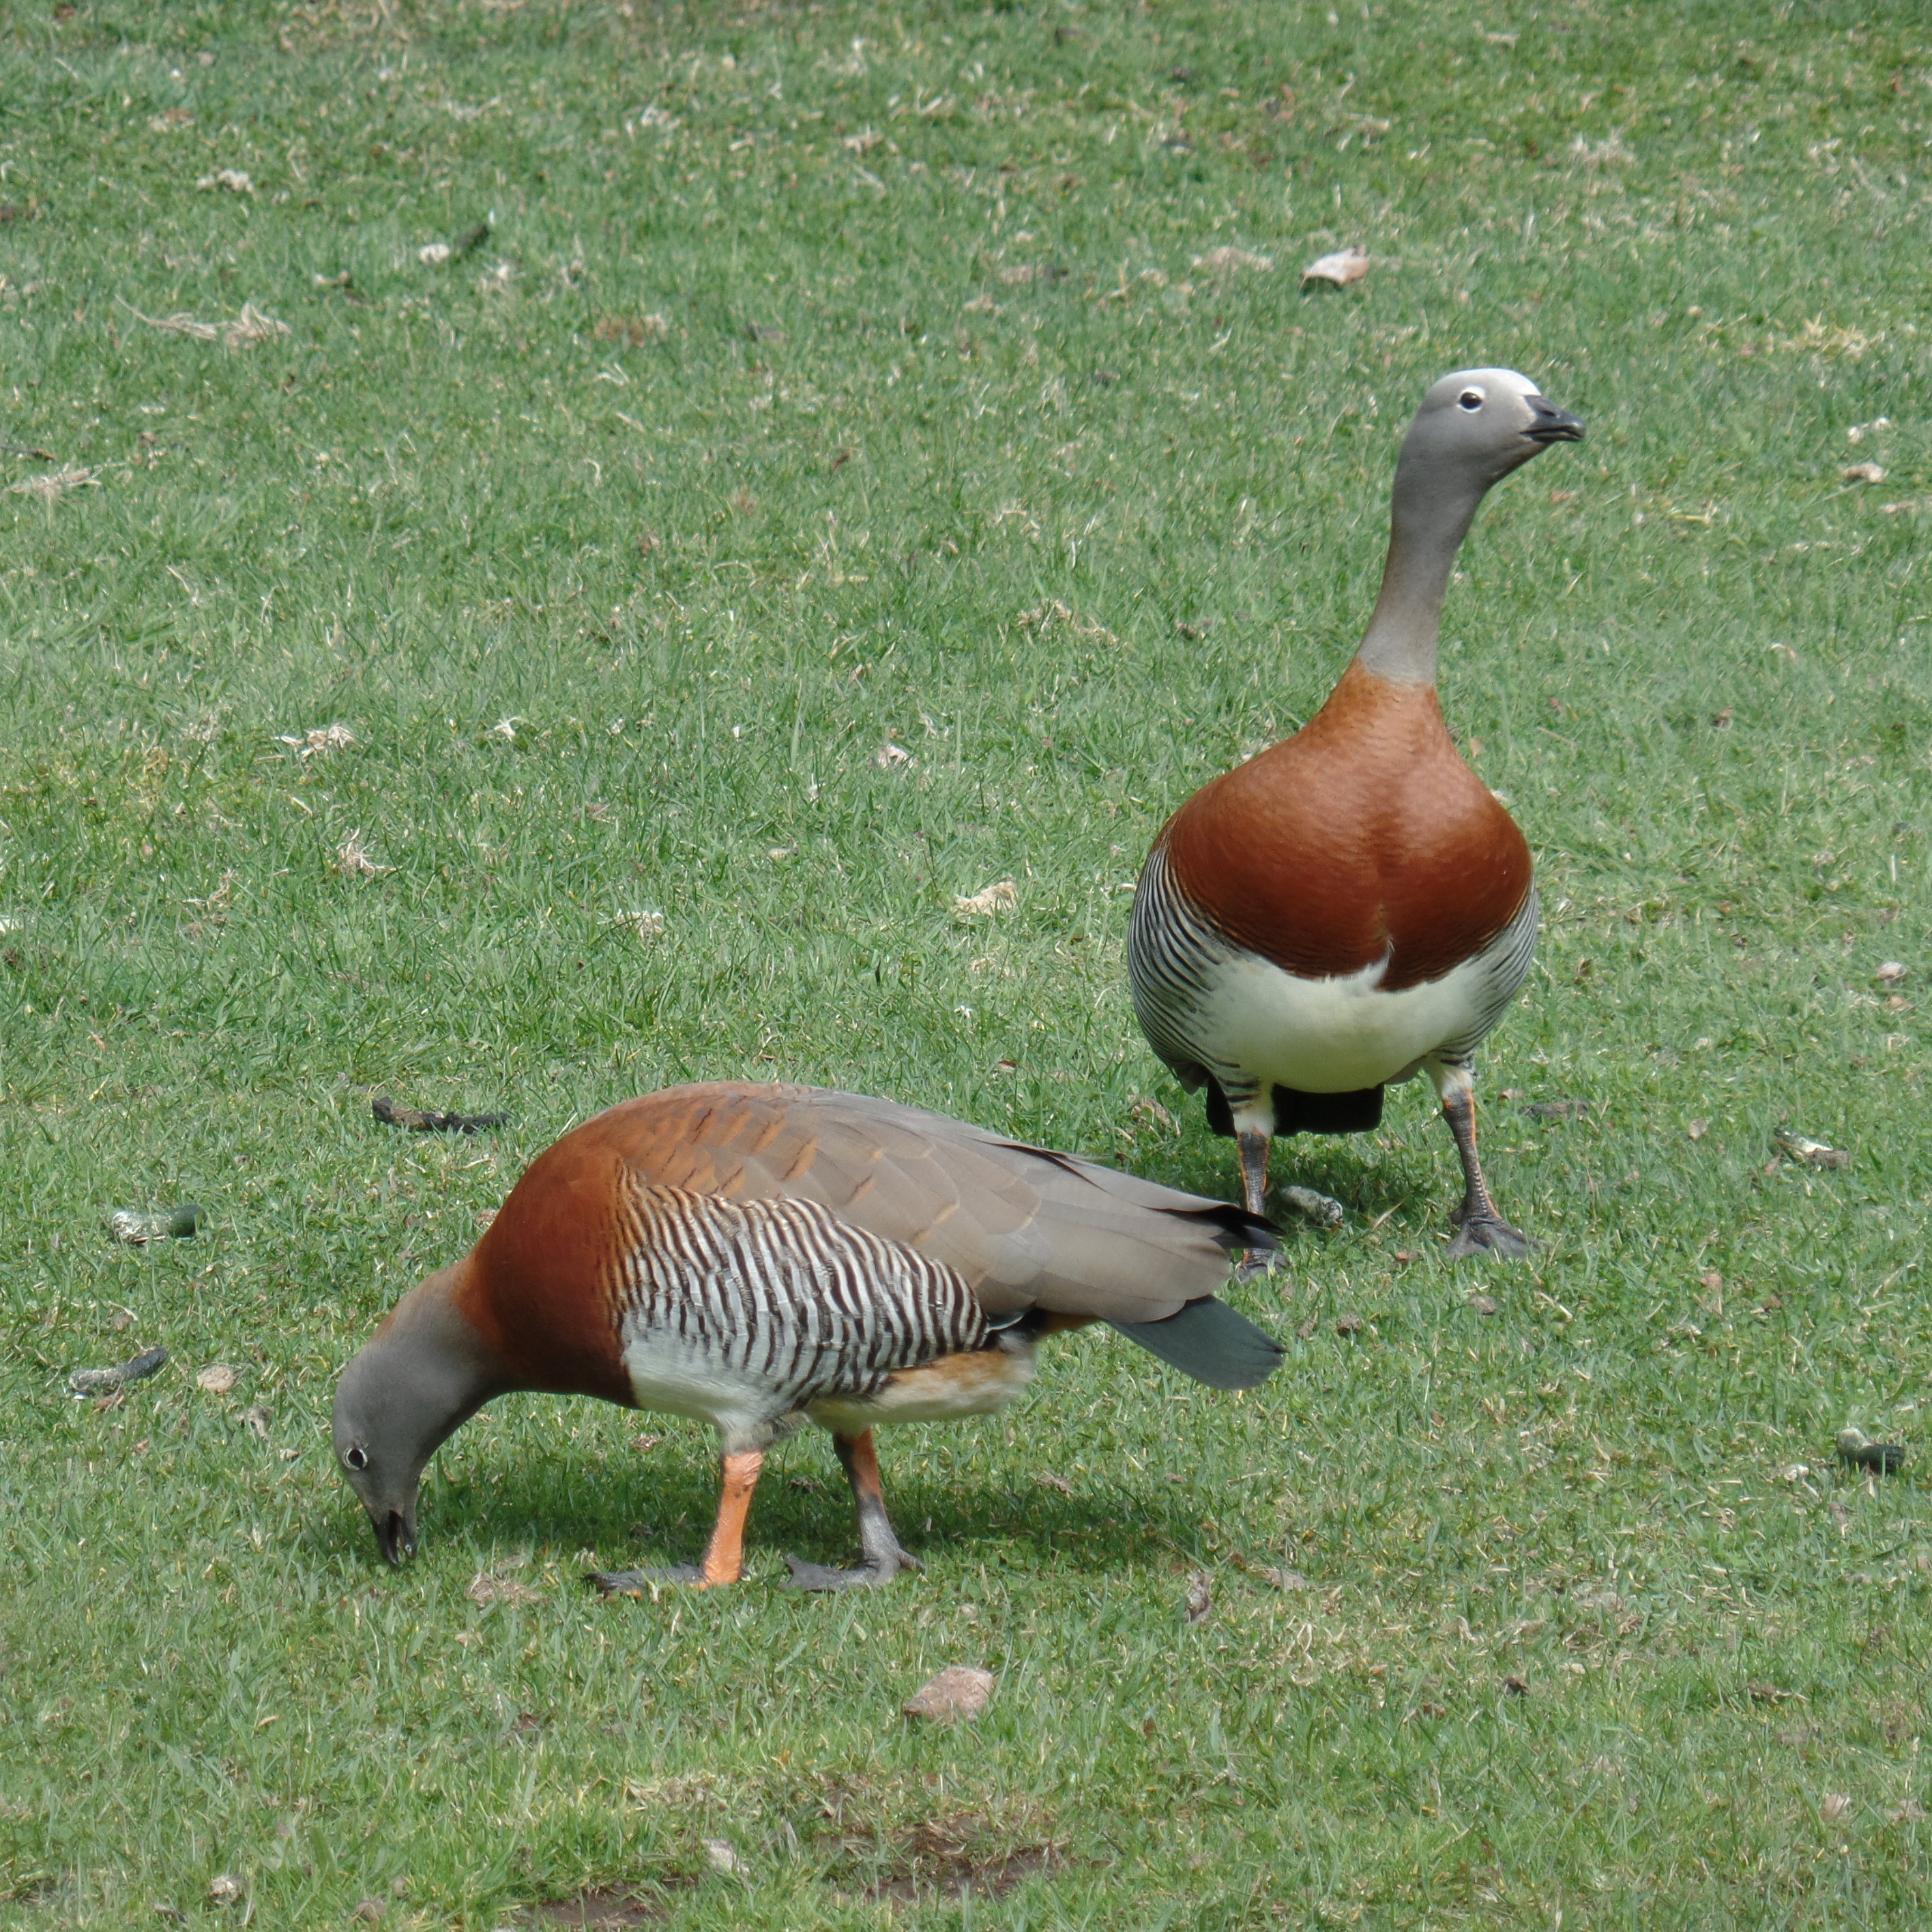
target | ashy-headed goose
x=751, y=1254
x=1354, y=905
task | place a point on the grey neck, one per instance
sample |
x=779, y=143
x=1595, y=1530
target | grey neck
x=1431, y=513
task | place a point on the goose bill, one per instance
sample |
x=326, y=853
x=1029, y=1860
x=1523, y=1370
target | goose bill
x=1552, y=424
x=394, y=1537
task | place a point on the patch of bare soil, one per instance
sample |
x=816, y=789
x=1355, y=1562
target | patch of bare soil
x=959, y=1854
x=609, y=1908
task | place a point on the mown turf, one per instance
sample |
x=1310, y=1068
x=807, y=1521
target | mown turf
x=839, y=378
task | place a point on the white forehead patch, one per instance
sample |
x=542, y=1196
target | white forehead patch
x=1491, y=382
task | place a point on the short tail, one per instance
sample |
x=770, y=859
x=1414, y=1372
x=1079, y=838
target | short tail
x=1231, y=1228
x=1207, y=1340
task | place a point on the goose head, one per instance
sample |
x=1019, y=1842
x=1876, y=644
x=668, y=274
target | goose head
x=1477, y=425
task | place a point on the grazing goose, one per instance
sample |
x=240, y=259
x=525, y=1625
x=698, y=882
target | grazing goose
x=1354, y=905
x=749, y=1254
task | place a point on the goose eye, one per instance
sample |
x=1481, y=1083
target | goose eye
x=356, y=1457
x=1471, y=399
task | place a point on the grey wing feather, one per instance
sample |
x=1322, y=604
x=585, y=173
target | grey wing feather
x=1028, y=1227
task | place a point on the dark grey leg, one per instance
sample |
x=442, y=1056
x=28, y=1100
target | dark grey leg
x=884, y=1558
x=1252, y=1143
x=1478, y=1225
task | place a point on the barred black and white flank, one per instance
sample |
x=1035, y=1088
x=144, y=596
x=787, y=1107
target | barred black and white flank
x=741, y=1312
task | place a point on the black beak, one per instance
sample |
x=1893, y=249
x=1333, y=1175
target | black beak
x=1550, y=425
x=395, y=1538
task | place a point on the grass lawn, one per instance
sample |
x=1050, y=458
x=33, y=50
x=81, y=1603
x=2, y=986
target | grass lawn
x=846, y=475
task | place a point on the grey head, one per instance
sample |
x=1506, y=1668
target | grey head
x=422, y=1375
x=1473, y=427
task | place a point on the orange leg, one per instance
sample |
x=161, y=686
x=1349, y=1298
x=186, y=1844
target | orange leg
x=723, y=1555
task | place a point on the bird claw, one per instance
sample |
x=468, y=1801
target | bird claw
x=1258, y=1263
x=1490, y=1234
x=867, y=1576
x=637, y=1582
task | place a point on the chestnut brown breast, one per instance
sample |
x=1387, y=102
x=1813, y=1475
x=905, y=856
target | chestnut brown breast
x=1364, y=835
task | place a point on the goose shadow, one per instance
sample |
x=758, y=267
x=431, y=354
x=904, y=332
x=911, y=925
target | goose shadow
x=661, y=1511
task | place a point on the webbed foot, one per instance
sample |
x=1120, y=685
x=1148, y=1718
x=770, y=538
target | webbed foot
x=1479, y=1234
x=867, y=1576
x=637, y=1582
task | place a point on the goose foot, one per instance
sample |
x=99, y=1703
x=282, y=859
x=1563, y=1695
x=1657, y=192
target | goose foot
x=636, y=1583
x=1257, y=1263
x=1490, y=1233
x=869, y=1576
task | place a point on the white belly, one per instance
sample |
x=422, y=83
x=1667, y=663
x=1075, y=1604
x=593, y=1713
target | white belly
x=680, y=1378
x=1332, y=1035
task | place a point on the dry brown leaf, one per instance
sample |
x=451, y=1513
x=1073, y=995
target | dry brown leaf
x=988, y=901
x=1225, y=260
x=1863, y=472
x=890, y=756
x=322, y=738
x=233, y=179
x=959, y=1690
x=485, y=1588
x=1047, y=1480
x=1697, y=1129
x=353, y=860
x=1346, y=266
x=55, y=484
x=1200, y=1597
x=247, y=329
x=1890, y=972
x=1812, y=1153
x=1053, y=611
x=169, y=119
x=1836, y=1805
x=216, y=1379
x=1608, y=152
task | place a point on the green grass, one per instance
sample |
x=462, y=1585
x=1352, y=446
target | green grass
x=619, y=614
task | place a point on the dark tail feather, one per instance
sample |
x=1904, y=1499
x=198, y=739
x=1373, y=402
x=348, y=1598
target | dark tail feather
x=1210, y=1341
x=1233, y=1227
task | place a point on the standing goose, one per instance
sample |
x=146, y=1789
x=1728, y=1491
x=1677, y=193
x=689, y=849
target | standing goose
x=747, y=1255
x=1353, y=905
